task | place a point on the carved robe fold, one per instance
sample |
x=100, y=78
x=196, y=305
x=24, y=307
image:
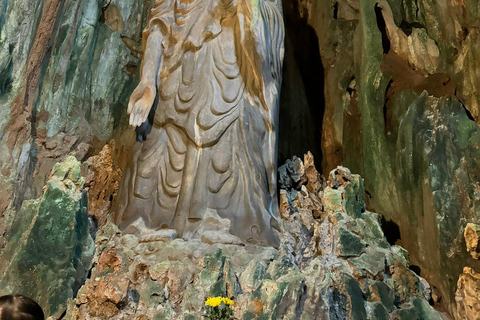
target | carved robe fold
x=213, y=141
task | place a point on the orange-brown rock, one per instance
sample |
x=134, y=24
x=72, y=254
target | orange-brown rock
x=102, y=295
x=468, y=295
x=472, y=239
x=109, y=260
x=102, y=174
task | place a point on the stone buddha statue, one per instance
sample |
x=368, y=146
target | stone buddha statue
x=208, y=98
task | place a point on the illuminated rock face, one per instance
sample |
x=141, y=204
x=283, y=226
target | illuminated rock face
x=333, y=262
x=210, y=81
x=472, y=239
x=467, y=298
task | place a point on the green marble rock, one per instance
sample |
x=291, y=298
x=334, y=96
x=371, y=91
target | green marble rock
x=49, y=249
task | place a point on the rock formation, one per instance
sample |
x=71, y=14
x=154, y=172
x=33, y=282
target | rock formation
x=385, y=88
x=401, y=110
x=49, y=248
x=472, y=239
x=333, y=263
x=66, y=71
x=467, y=298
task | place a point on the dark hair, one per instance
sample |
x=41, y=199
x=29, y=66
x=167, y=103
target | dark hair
x=18, y=307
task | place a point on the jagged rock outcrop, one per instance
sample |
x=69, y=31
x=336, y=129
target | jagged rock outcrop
x=103, y=173
x=401, y=110
x=472, y=239
x=49, y=249
x=333, y=263
x=467, y=295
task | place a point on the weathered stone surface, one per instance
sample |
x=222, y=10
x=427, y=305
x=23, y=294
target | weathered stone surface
x=49, y=249
x=306, y=278
x=102, y=177
x=472, y=239
x=401, y=109
x=467, y=295
x=418, y=152
x=66, y=69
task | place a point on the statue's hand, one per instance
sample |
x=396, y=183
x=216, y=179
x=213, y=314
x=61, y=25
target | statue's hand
x=141, y=102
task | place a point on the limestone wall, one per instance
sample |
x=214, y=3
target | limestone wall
x=386, y=88
x=401, y=108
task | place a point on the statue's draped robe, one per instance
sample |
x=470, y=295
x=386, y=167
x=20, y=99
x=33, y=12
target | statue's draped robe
x=213, y=141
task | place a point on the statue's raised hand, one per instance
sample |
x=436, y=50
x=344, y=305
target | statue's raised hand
x=141, y=102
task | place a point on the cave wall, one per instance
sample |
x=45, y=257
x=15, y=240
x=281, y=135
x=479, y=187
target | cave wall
x=67, y=69
x=387, y=88
x=401, y=109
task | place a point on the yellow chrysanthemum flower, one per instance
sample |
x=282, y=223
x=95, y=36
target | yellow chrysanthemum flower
x=216, y=301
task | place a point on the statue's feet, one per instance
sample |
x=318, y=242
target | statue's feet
x=213, y=229
x=212, y=237
x=160, y=235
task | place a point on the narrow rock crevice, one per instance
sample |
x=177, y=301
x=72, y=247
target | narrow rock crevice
x=469, y=114
x=382, y=27
x=302, y=101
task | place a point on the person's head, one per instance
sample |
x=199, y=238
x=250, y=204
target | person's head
x=17, y=307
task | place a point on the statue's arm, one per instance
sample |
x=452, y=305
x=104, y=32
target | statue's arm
x=143, y=96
